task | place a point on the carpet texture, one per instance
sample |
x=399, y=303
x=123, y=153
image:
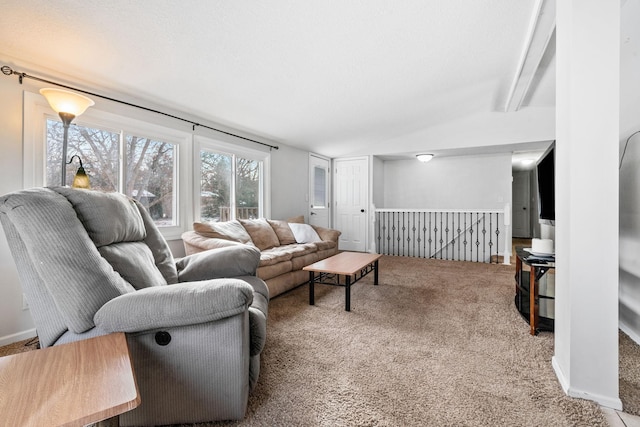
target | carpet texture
x=437, y=343
x=629, y=384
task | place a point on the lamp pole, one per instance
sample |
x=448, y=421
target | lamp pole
x=66, y=118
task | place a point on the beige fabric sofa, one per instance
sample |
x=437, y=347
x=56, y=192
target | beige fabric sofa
x=283, y=252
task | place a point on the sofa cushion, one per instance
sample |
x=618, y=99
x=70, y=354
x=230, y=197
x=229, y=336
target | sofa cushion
x=302, y=249
x=327, y=234
x=304, y=233
x=261, y=233
x=270, y=271
x=324, y=245
x=296, y=219
x=283, y=231
x=274, y=255
x=285, y=253
x=300, y=262
x=227, y=230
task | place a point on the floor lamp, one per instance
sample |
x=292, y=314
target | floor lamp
x=68, y=105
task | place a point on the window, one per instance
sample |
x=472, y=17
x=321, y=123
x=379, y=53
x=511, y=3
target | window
x=231, y=182
x=319, y=187
x=215, y=186
x=149, y=165
x=149, y=176
x=158, y=165
x=146, y=161
x=247, y=189
x=98, y=149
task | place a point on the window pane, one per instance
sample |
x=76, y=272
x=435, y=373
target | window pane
x=247, y=188
x=319, y=187
x=215, y=186
x=98, y=149
x=149, y=177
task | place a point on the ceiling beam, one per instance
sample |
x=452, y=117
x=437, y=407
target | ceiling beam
x=541, y=28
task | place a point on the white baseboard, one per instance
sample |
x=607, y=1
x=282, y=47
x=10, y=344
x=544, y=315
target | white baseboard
x=10, y=339
x=630, y=332
x=606, y=401
x=560, y=375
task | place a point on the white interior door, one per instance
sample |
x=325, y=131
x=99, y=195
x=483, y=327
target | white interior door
x=319, y=195
x=352, y=202
x=521, y=204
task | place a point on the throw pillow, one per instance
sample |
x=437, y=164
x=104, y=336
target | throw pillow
x=227, y=230
x=261, y=233
x=283, y=231
x=296, y=219
x=304, y=233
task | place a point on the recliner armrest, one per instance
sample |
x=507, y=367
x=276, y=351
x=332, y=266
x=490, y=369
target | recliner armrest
x=175, y=305
x=231, y=261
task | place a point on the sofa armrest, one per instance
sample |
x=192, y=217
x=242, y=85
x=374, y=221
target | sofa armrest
x=175, y=305
x=194, y=242
x=231, y=261
x=327, y=234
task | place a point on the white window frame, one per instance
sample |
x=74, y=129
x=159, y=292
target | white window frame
x=36, y=110
x=222, y=147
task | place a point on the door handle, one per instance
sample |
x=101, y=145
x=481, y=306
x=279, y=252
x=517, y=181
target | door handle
x=361, y=210
x=313, y=213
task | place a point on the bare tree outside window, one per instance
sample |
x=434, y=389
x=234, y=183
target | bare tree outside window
x=247, y=188
x=149, y=176
x=97, y=148
x=215, y=186
x=149, y=173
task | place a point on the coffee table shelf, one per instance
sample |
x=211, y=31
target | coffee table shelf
x=352, y=266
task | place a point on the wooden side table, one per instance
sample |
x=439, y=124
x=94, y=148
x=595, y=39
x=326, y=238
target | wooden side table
x=527, y=288
x=72, y=384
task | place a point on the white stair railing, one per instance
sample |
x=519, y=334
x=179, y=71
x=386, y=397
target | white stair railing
x=478, y=235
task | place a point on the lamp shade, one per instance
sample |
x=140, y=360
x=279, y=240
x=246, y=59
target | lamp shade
x=424, y=158
x=63, y=101
x=81, y=180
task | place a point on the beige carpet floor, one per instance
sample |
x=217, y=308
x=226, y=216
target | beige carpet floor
x=629, y=374
x=437, y=343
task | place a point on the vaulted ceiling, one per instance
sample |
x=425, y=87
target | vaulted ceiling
x=335, y=77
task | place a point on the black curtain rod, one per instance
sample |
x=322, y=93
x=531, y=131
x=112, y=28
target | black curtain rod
x=8, y=71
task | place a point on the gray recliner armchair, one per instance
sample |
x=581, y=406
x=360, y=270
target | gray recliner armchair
x=94, y=263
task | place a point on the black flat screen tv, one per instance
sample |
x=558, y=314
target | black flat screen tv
x=546, y=171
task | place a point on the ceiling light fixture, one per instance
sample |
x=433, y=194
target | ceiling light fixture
x=424, y=158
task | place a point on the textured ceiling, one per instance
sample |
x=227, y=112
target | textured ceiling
x=334, y=77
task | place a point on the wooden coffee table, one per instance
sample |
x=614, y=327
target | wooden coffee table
x=353, y=266
x=72, y=384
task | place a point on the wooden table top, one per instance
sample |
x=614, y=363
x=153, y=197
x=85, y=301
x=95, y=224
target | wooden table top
x=68, y=385
x=345, y=263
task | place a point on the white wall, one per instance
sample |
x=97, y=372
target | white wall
x=377, y=182
x=289, y=183
x=462, y=182
x=587, y=132
x=629, y=292
x=15, y=324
